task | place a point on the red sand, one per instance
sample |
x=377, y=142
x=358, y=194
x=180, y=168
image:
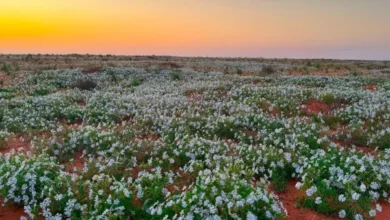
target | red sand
x=78, y=162
x=385, y=214
x=316, y=107
x=370, y=87
x=344, y=144
x=15, y=144
x=289, y=199
x=11, y=212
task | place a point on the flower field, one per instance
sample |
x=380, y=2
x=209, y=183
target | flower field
x=201, y=140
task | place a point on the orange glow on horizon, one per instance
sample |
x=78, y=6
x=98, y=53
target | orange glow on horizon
x=184, y=27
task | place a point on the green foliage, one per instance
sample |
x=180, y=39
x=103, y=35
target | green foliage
x=332, y=121
x=268, y=69
x=280, y=177
x=42, y=90
x=136, y=81
x=28, y=57
x=4, y=136
x=6, y=68
x=175, y=75
x=383, y=141
x=329, y=189
x=359, y=137
x=85, y=84
x=239, y=71
x=211, y=145
x=328, y=98
x=111, y=73
x=353, y=73
x=210, y=188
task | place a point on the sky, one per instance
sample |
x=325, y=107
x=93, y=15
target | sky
x=339, y=29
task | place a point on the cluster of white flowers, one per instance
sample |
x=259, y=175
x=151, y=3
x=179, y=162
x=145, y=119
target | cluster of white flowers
x=218, y=190
x=146, y=143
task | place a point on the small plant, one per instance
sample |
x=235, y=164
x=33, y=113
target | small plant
x=174, y=75
x=359, y=137
x=305, y=71
x=268, y=69
x=387, y=71
x=239, y=71
x=353, y=73
x=72, y=114
x=6, y=68
x=16, y=66
x=225, y=130
x=85, y=84
x=136, y=81
x=3, y=139
x=42, y=90
x=28, y=57
x=383, y=141
x=332, y=121
x=112, y=75
x=280, y=178
x=226, y=70
x=328, y=98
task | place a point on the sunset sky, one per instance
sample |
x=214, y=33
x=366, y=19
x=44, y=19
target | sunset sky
x=356, y=29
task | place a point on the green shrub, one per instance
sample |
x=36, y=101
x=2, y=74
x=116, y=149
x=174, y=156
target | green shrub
x=42, y=90
x=353, y=73
x=225, y=130
x=239, y=71
x=268, y=69
x=175, y=75
x=6, y=94
x=136, y=81
x=3, y=139
x=383, y=141
x=332, y=121
x=359, y=137
x=72, y=114
x=279, y=179
x=85, y=84
x=328, y=98
x=6, y=68
x=218, y=189
x=338, y=181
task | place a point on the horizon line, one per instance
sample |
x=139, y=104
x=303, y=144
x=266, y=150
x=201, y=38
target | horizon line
x=182, y=56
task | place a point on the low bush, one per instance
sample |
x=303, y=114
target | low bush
x=328, y=98
x=341, y=182
x=6, y=68
x=175, y=75
x=85, y=84
x=222, y=195
x=136, y=81
x=359, y=137
x=382, y=141
x=269, y=69
x=3, y=139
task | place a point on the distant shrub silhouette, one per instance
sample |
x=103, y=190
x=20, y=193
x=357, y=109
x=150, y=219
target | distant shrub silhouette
x=85, y=84
x=268, y=69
